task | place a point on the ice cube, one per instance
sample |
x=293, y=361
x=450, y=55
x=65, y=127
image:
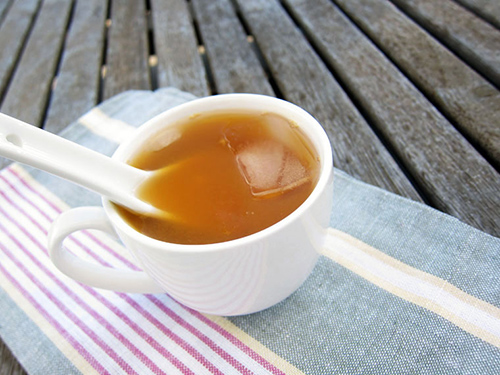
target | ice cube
x=271, y=154
x=269, y=168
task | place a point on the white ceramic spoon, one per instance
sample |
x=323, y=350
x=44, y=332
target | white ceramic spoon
x=115, y=180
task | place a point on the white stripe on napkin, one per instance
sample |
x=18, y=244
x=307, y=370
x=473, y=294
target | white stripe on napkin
x=105, y=126
x=465, y=311
x=40, y=316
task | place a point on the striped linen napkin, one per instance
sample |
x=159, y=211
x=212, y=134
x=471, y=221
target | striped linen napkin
x=401, y=288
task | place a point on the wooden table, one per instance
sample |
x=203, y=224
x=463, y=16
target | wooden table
x=407, y=90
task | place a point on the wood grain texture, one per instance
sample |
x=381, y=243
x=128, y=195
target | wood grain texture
x=304, y=79
x=487, y=9
x=31, y=83
x=464, y=96
x=234, y=64
x=4, y=6
x=13, y=33
x=470, y=37
x=179, y=63
x=455, y=178
x=8, y=363
x=77, y=86
x=127, y=55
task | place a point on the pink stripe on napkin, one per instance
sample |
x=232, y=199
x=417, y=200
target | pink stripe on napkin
x=92, y=361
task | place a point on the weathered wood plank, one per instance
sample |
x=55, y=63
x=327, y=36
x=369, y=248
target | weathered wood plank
x=4, y=6
x=127, y=56
x=473, y=39
x=487, y=9
x=469, y=100
x=455, y=178
x=179, y=63
x=13, y=33
x=77, y=83
x=305, y=80
x=234, y=64
x=8, y=363
x=27, y=95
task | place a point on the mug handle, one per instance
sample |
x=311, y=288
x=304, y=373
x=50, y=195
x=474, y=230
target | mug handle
x=88, y=273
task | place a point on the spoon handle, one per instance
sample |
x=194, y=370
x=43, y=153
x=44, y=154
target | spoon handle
x=38, y=148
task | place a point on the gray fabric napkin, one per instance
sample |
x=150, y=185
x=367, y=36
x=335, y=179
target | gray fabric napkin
x=400, y=288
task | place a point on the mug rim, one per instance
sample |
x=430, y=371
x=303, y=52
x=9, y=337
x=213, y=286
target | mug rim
x=320, y=141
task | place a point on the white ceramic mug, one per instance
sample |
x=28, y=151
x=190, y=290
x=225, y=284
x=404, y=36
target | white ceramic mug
x=236, y=277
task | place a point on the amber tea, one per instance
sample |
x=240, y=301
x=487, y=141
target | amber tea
x=224, y=176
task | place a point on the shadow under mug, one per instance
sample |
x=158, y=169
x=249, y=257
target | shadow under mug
x=236, y=277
